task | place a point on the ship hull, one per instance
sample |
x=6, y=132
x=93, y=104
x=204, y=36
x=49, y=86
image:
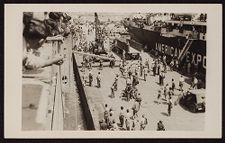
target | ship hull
x=152, y=41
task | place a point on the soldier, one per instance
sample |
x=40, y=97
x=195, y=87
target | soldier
x=135, y=80
x=139, y=99
x=82, y=67
x=135, y=108
x=110, y=120
x=195, y=83
x=165, y=91
x=145, y=73
x=170, y=92
x=114, y=126
x=90, y=75
x=98, y=78
x=147, y=65
x=112, y=62
x=89, y=63
x=181, y=82
x=164, y=62
x=100, y=64
x=158, y=68
x=121, y=69
x=160, y=126
x=135, y=93
x=106, y=114
x=173, y=85
x=141, y=69
x=159, y=96
x=84, y=79
x=121, y=116
x=176, y=64
x=116, y=82
x=154, y=67
x=143, y=123
x=129, y=81
x=113, y=90
x=162, y=78
x=128, y=92
x=133, y=124
x=127, y=120
x=169, y=107
x=103, y=125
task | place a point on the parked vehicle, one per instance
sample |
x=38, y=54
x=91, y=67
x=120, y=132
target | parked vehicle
x=194, y=100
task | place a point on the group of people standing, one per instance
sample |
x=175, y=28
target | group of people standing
x=126, y=120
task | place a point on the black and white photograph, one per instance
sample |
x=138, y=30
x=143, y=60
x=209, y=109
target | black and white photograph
x=114, y=71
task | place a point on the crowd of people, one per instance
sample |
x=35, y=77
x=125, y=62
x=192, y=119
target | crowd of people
x=35, y=33
x=133, y=72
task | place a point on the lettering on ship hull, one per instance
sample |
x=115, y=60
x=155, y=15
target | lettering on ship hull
x=190, y=57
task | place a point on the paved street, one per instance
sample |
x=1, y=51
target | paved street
x=180, y=118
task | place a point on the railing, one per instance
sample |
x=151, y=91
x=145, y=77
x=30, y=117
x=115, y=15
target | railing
x=56, y=92
x=57, y=115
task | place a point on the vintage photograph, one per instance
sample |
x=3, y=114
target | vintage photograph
x=113, y=71
x=92, y=71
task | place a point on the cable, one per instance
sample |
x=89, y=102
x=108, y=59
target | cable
x=60, y=75
x=54, y=104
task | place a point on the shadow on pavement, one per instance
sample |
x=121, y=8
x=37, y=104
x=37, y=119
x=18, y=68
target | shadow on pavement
x=163, y=113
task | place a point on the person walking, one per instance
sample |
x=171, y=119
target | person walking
x=113, y=91
x=158, y=68
x=166, y=91
x=162, y=78
x=116, y=82
x=100, y=64
x=181, y=83
x=173, y=85
x=135, y=108
x=98, y=78
x=143, y=122
x=145, y=73
x=159, y=96
x=147, y=65
x=169, y=107
x=195, y=83
x=141, y=69
x=90, y=75
x=154, y=68
x=170, y=92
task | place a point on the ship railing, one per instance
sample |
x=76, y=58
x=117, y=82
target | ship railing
x=185, y=33
x=57, y=107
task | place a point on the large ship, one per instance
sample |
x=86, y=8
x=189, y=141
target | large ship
x=180, y=37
